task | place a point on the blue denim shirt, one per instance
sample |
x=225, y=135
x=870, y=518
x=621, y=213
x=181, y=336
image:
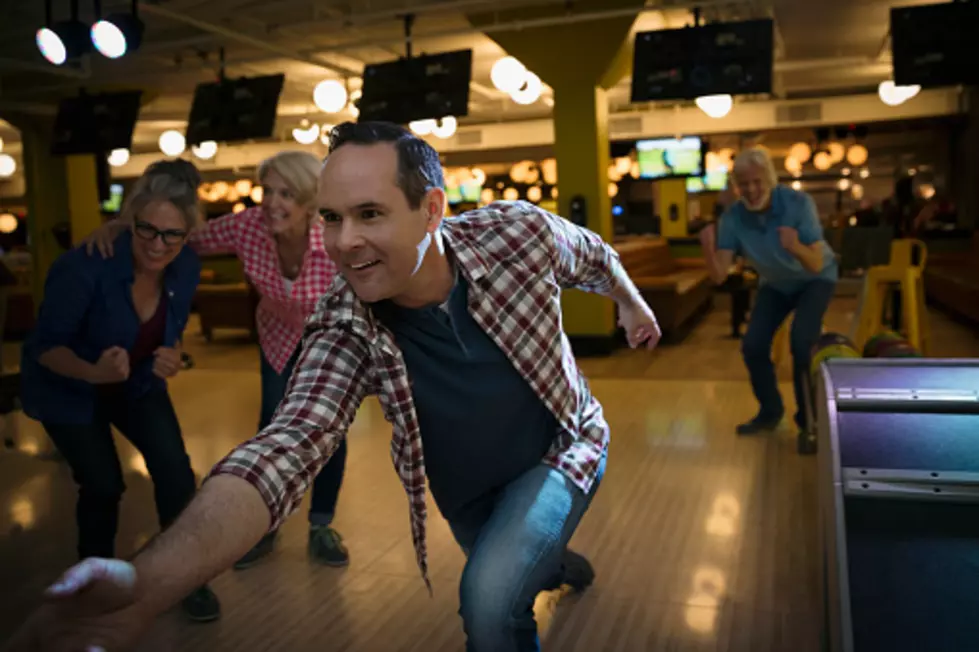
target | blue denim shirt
x=88, y=307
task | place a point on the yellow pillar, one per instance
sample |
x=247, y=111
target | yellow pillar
x=671, y=202
x=83, y=196
x=60, y=191
x=579, y=61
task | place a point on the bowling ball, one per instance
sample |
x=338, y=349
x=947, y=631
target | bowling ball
x=829, y=339
x=901, y=349
x=872, y=348
x=830, y=352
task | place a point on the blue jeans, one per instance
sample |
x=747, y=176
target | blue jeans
x=514, y=539
x=326, y=486
x=772, y=307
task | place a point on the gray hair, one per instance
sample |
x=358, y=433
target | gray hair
x=755, y=157
x=175, y=182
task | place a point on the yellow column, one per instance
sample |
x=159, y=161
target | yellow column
x=83, y=196
x=671, y=195
x=59, y=190
x=579, y=62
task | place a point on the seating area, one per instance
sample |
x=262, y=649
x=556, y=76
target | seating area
x=677, y=289
x=224, y=298
x=952, y=280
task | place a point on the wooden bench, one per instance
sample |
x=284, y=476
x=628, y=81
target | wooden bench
x=225, y=302
x=952, y=280
x=676, y=289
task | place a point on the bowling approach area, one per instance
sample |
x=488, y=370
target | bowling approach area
x=701, y=540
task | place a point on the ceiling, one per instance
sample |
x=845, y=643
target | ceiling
x=824, y=48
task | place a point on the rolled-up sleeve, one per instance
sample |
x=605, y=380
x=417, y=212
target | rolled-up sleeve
x=68, y=291
x=327, y=387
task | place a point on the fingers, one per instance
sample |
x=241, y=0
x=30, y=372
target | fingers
x=77, y=577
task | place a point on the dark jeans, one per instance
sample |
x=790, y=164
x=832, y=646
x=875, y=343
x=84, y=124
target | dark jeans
x=771, y=309
x=514, y=540
x=326, y=487
x=151, y=425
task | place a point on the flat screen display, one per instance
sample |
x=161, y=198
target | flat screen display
x=235, y=110
x=421, y=88
x=714, y=59
x=96, y=124
x=713, y=181
x=666, y=158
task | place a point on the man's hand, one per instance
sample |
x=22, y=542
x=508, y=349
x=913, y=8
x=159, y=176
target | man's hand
x=789, y=238
x=102, y=238
x=166, y=362
x=112, y=367
x=93, y=606
x=640, y=324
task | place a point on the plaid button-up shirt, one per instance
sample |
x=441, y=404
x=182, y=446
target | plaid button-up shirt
x=516, y=259
x=282, y=311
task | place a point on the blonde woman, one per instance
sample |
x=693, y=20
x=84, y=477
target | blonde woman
x=106, y=339
x=280, y=245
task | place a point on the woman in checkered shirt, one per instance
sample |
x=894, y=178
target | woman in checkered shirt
x=280, y=246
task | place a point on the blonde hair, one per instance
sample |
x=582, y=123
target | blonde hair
x=175, y=182
x=300, y=170
x=756, y=157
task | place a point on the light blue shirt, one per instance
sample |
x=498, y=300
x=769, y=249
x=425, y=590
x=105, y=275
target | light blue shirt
x=754, y=236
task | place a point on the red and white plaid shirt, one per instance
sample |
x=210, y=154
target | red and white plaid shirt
x=516, y=259
x=281, y=312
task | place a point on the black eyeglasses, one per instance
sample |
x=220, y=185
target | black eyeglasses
x=149, y=232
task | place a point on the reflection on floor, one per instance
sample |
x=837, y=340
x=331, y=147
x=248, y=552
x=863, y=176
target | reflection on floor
x=701, y=541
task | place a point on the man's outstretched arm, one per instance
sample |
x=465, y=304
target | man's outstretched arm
x=253, y=489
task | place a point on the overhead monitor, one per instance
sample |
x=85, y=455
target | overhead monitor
x=931, y=45
x=686, y=63
x=235, y=110
x=670, y=158
x=427, y=87
x=714, y=181
x=95, y=124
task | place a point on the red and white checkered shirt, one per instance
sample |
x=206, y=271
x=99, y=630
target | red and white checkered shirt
x=516, y=259
x=281, y=312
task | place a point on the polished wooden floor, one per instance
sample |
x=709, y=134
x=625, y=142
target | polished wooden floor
x=701, y=540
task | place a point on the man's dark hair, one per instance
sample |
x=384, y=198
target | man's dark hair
x=419, y=168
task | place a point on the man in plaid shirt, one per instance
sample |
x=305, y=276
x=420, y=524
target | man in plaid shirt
x=455, y=325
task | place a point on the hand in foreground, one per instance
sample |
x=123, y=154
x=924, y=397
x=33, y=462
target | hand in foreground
x=91, y=608
x=640, y=325
x=789, y=238
x=166, y=362
x=102, y=237
x=112, y=367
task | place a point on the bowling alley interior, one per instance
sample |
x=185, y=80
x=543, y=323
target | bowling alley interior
x=855, y=531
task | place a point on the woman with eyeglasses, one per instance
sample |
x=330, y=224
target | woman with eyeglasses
x=105, y=342
x=280, y=245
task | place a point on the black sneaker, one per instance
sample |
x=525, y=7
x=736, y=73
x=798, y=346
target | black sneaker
x=202, y=605
x=256, y=554
x=759, y=425
x=326, y=546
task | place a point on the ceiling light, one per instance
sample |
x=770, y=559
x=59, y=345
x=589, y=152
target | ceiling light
x=306, y=133
x=206, y=150
x=796, y=185
x=422, y=127
x=844, y=184
x=330, y=96
x=857, y=191
x=529, y=92
x=508, y=74
x=172, y=143
x=800, y=152
x=864, y=173
x=119, y=157
x=715, y=106
x=7, y=166
x=8, y=223
x=64, y=40
x=822, y=161
x=117, y=34
x=893, y=95
x=857, y=155
x=446, y=127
